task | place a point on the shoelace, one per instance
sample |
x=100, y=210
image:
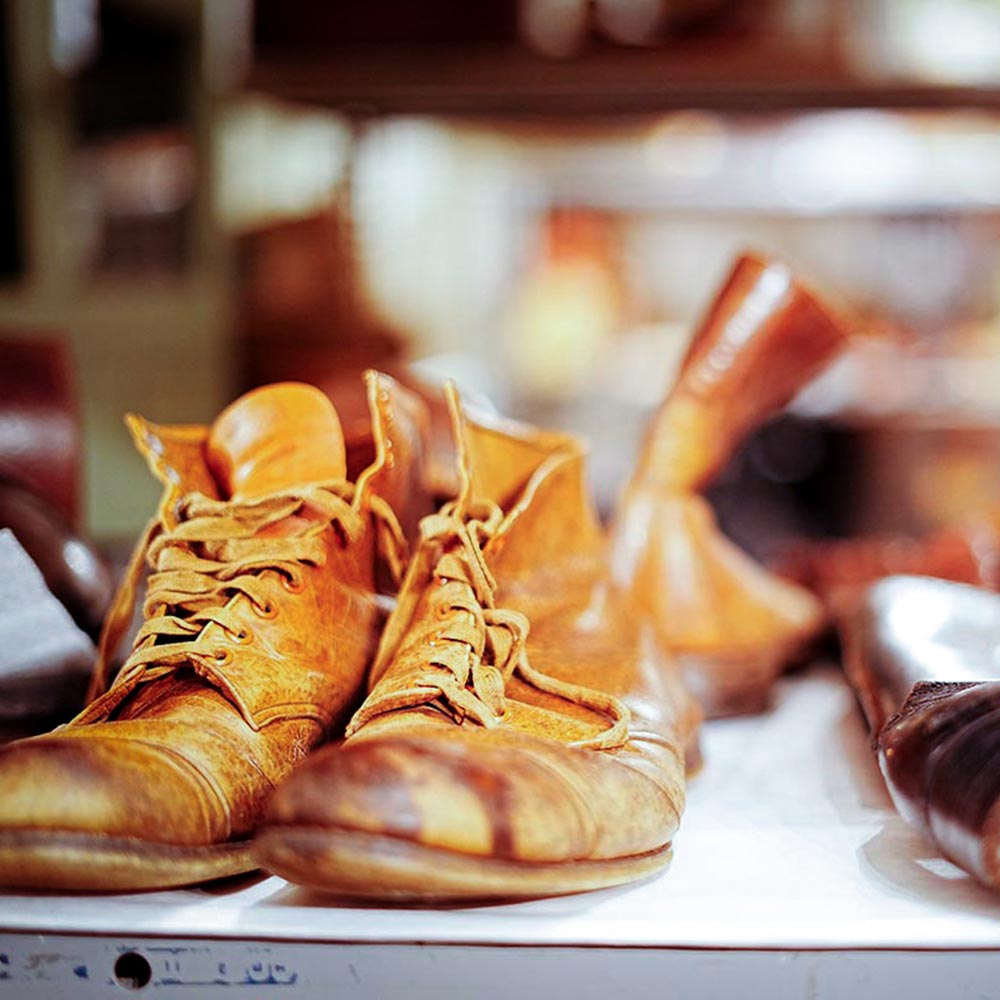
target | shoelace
x=480, y=646
x=213, y=553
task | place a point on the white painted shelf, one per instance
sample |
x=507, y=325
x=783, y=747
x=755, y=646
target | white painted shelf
x=792, y=877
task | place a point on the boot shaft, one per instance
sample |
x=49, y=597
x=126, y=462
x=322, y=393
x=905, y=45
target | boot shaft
x=764, y=337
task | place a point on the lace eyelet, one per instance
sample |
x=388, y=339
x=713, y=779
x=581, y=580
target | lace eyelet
x=222, y=655
x=442, y=611
x=243, y=636
x=267, y=611
x=294, y=585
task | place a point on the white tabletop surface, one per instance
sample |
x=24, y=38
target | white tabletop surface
x=789, y=841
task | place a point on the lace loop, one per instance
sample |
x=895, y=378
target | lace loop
x=471, y=660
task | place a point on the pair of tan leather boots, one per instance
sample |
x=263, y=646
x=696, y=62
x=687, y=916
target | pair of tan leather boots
x=519, y=723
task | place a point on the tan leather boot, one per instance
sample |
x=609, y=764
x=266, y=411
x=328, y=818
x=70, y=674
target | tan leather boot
x=516, y=740
x=731, y=624
x=260, y=621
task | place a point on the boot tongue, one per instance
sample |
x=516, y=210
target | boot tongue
x=275, y=438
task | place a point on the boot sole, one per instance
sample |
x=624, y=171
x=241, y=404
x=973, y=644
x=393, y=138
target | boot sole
x=374, y=867
x=55, y=859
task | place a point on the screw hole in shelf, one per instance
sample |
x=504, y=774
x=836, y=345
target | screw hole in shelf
x=132, y=970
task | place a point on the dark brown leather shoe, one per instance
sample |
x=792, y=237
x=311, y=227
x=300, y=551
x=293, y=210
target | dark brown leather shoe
x=260, y=621
x=921, y=655
x=516, y=740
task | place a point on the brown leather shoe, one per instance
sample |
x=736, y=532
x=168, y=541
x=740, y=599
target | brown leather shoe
x=731, y=623
x=487, y=761
x=260, y=621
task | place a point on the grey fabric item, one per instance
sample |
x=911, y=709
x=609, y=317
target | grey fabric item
x=45, y=659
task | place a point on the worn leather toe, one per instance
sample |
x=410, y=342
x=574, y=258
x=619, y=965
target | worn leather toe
x=497, y=794
x=107, y=787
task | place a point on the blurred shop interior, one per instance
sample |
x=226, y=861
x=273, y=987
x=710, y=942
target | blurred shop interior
x=535, y=198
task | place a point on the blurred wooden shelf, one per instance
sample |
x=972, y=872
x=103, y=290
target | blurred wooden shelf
x=490, y=80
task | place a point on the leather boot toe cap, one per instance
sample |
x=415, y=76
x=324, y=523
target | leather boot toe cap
x=489, y=793
x=109, y=787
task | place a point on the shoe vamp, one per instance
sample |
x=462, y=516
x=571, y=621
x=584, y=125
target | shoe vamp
x=605, y=654
x=536, y=713
x=580, y=632
x=659, y=759
x=205, y=728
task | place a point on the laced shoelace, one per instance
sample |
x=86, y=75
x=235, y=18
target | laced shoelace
x=480, y=646
x=214, y=552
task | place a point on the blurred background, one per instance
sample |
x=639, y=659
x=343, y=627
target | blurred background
x=536, y=196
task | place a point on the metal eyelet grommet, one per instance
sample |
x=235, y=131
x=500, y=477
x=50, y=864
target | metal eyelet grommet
x=223, y=656
x=267, y=611
x=243, y=636
x=294, y=585
x=442, y=611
